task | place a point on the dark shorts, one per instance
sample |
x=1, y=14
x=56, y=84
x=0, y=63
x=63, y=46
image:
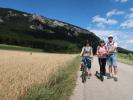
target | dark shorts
x=87, y=62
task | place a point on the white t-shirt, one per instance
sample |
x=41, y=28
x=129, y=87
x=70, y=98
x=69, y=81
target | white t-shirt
x=111, y=46
x=87, y=51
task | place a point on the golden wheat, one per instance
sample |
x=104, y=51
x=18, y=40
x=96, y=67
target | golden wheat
x=20, y=70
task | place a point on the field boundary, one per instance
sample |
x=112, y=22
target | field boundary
x=19, y=48
x=60, y=85
x=125, y=61
x=125, y=58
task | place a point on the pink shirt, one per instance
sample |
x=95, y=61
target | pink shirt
x=102, y=52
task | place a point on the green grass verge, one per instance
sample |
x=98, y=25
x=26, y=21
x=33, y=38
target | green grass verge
x=18, y=48
x=125, y=58
x=59, y=87
x=125, y=61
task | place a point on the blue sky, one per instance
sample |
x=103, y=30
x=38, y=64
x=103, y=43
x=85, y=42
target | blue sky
x=104, y=17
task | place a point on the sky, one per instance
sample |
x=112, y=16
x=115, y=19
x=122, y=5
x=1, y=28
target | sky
x=103, y=17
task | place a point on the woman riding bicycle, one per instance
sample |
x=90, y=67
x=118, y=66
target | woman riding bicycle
x=87, y=55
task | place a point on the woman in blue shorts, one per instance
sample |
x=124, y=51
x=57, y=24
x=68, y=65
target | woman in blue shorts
x=87, y=55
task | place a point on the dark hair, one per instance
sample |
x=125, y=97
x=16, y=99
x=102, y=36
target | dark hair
x=102, y=41
x=87, y=42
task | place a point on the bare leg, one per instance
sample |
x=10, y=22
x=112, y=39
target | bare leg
x=110, y=69
x=81, y=65
x=115, y=71
x=89, y=73
x=115, y=74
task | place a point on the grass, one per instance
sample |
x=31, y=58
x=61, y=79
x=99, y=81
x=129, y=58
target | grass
x=18, y=48
x=20, y=70
x=126, y=58
x=59, y=87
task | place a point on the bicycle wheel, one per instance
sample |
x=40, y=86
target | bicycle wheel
x=84, y=74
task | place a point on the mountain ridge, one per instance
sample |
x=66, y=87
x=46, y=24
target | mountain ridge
x=51, y=35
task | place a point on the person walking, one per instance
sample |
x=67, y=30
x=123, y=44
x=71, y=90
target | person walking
x=112, y=58
x=102, y=57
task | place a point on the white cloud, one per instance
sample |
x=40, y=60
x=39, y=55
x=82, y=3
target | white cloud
x=130, y=41
x=104, y=33
x=120, y=12
x=120, y=37
x=121, y=1
x=101, y=25
x=98, y=19
x=129, y=16
x=131, y=9
x=103, y=21
x=127, y=24
x=110, y=13
x=111, y=21
x=114, y=12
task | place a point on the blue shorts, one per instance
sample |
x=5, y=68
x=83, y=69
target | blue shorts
x=112, y=60
x=87, y=62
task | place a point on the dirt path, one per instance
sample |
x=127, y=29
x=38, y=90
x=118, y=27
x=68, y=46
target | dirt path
x=94, y=89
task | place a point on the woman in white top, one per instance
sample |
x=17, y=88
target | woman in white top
x=87, y=54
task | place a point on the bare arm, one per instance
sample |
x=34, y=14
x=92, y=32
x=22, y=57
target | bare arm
x=97, y=51
x=91, y=52
x=82, y=52
x=106, y=51
x=113, y=49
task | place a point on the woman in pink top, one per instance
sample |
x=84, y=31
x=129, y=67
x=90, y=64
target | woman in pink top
x=102, y=56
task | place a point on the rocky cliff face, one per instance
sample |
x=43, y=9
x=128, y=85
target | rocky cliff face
x=25, y=29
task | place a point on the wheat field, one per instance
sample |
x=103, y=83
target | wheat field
x=21, y=70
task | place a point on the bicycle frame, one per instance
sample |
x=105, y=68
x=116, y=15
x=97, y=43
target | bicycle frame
x=84, y=73
x=84, y=69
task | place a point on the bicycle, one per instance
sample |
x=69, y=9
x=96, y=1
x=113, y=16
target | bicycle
x=84, y=73
x=84, y=69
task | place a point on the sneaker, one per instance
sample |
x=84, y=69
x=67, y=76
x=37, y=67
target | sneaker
x=102, y=78
x=110, y=76
x=115, y=78
x=97, y=75
x=88, y=77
